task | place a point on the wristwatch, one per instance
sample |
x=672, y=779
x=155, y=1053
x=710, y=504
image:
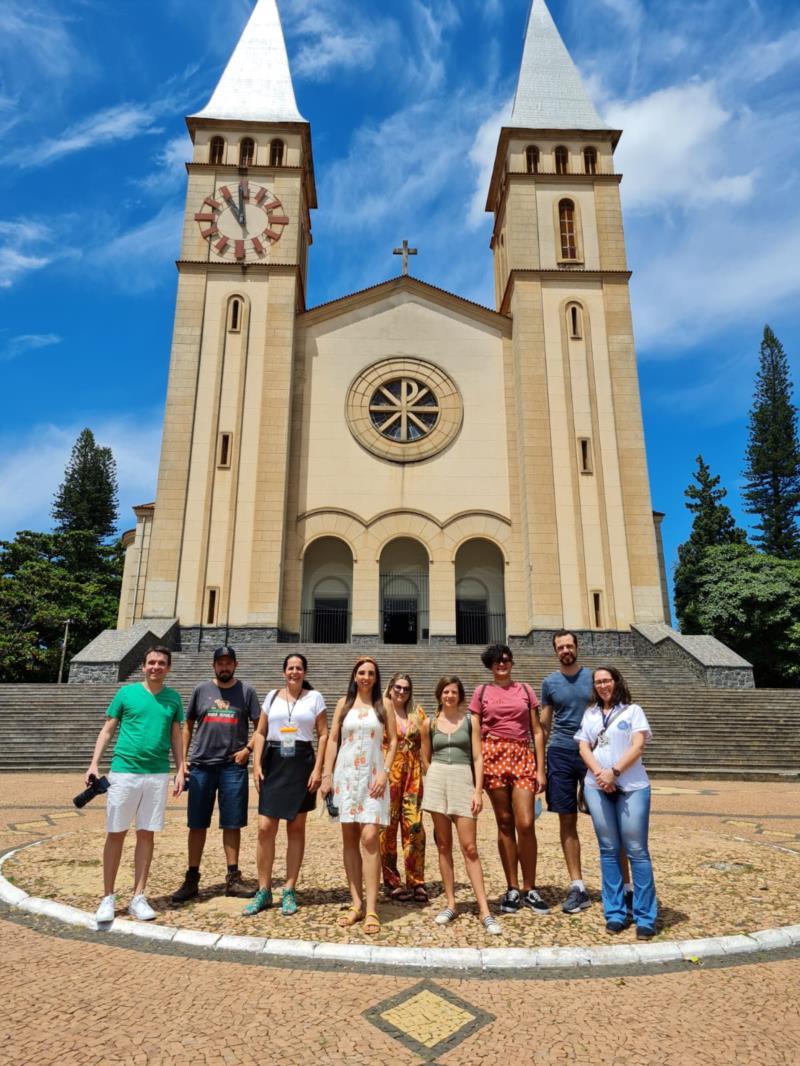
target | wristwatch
x=615, y=771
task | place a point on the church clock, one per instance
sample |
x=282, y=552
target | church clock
x=241, y=221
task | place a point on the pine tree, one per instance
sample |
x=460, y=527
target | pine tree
x=86, y=501
x=713, y=525
x=772, y=472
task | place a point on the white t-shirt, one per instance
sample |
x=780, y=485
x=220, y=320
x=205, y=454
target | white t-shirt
x=303, y=713
x=624, y=723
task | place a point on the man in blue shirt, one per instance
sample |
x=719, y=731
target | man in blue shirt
x=566, y=693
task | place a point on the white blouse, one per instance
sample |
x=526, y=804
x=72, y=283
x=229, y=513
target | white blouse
x=301, y=713
x=614, y=744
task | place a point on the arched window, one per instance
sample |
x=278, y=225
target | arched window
x=247, y=152
x=532, y=159
x=235, y=315
x=590, y=160
x=276, y=153
x=216, y=151
x=562, y=160
x=566, y=223
x=575, y=321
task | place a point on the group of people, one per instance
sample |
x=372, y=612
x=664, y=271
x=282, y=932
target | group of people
x=383, y=763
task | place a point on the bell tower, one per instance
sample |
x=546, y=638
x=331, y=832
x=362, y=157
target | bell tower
x=580, y=488
x=217, y=535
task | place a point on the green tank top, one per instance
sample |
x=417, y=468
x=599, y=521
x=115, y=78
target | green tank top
x=454, y=748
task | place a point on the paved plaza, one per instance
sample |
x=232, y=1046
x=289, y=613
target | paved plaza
x=726, y=857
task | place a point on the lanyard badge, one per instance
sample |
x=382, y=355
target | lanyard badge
x=288, y=740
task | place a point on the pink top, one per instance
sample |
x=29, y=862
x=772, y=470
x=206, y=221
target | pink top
x=504, y=712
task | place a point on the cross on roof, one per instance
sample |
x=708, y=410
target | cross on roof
x=405, y=251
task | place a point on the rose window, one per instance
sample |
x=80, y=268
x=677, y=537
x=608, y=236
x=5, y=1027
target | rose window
x=404, y=410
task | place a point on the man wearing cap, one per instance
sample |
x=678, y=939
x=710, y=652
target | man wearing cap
x=221, y=710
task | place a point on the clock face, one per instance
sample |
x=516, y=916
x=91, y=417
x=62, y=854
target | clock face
x=241, y=221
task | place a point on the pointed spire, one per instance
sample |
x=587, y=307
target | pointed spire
x=550, y=93
x=256, y=85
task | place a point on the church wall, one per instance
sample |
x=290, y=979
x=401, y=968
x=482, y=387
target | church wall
x=337, y=471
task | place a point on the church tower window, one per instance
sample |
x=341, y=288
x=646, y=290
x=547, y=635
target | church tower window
x=211, y=606
x=575, y=321
x=276, y=153
x=562, y=160
x=216, y=151
x=247, y=152
x=585, y=455
x=224, y=458
x=532, y=159
x=235, y=315
x=566, y=222
x=590, y=160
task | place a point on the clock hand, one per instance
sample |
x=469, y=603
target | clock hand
x=241, y=206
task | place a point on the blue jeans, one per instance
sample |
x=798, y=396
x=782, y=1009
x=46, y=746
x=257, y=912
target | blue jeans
x=621, y=821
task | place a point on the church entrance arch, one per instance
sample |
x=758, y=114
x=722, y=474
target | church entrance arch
x=404, y=592
x=327, y=592
x=480, y=593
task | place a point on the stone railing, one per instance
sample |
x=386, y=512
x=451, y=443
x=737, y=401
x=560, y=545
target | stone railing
x=111, y=656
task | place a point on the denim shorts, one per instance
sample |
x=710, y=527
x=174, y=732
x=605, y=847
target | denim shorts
x=231, y=782
x=565, y=769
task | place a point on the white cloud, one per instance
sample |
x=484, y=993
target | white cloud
x=676, y=148
x=170, y=172
x=334, y=37
x=17, y=243
x=123, y=122
x=482, y=156
x=27, y=342
x=33, y=468
x=35, y=41
x=136, y=258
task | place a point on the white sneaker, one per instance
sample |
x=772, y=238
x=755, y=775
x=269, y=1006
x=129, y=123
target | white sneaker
x=491, y=925
x=106, y=911
x=141, y=909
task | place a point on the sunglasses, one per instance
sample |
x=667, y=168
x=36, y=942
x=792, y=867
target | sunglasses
x=401, y=688
x=505, y=659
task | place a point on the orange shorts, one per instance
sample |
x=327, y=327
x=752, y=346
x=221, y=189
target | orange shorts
x=508, y=764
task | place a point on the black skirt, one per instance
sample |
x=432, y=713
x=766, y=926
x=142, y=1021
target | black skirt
x=284, y=792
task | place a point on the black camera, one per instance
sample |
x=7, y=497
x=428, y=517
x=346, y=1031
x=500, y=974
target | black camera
x=97, y=786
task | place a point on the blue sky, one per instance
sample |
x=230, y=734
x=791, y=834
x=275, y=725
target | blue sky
x=404, y=102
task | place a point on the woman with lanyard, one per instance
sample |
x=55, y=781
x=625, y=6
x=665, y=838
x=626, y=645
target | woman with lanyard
x=362, y=747
x=287, y=775
x=405, y=796
x=512, y=773
x=611, y=740
x=453, y=764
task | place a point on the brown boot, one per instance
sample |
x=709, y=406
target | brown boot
x=235, y=886
x=189, y=888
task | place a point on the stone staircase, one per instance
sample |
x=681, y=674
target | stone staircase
x=697, y=730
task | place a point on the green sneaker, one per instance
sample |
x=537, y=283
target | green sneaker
x=260, y=902
x=289, y=901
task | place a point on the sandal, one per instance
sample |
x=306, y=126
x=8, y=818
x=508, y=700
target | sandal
x=401, y=895
x=372, y=923
x=445, y=917
x=420, y=895
x=352, y=916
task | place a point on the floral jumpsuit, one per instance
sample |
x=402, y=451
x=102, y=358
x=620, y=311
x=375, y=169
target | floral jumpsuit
x=405, y=790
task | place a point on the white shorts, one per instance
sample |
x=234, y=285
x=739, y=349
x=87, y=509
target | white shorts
x=143, y=796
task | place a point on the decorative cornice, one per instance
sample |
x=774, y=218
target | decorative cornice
x=559, y=275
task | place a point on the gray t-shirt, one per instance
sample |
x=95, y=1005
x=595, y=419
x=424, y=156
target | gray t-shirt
x=569, y=696
x=221, y=716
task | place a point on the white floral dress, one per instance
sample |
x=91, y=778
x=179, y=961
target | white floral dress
x=358, y=763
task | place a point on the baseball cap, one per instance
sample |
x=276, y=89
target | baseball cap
x=222, y=650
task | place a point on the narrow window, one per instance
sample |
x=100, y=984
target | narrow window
x=590, y=160
x=211, y=612
x=276, y=153
x=598, y=613
x=224, y=450
x=562, y=160
x=216, y=151
x=532, y=159
x=566, y=221
x=235, y=316
x=247, y=152
x=585, y=446
x=574, y=322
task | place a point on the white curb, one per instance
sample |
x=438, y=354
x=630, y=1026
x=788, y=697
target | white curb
x=464, y=959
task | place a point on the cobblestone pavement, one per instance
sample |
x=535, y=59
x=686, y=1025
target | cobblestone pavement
x=75, y=997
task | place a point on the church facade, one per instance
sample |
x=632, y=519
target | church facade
x=399, y=464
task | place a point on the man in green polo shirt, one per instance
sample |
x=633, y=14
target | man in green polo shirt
x=149, y=716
